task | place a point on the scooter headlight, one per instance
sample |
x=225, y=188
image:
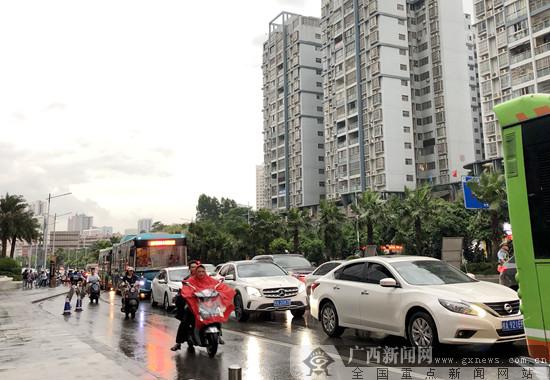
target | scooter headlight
x=141, y=283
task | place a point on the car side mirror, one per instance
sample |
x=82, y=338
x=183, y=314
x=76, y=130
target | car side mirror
x=471, y=275
x=388, y=283
x=230, y=277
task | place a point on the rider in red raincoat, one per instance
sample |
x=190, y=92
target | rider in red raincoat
x=202, y=281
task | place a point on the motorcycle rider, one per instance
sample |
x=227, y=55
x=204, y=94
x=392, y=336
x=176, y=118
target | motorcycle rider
x=91, y=279
x=183, y=313
x=130, y=278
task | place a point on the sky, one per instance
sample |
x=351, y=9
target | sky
x=135, y=107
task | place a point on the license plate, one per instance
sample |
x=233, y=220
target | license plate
x=279, y=303
x=516, y=324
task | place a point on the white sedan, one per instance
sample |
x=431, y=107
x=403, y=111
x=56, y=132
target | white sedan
x=422, y=299
x=264, y=287
x=166, y=285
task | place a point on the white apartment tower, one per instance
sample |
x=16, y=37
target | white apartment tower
x=293, y=113
x=513, y=48
x=144, y=225
x=398, y=101
x=80, y=222
x=261, y=189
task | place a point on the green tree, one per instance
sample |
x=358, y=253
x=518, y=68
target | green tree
x=296, y=221
x=26, y=228
x=12, y=219
x=280, y=245
x=266, y=227
x=368, y=210
x=491, y=189
x=418, y=207
x=313, y=249
x=208, y=208
x=330, y=226
x=157, y=226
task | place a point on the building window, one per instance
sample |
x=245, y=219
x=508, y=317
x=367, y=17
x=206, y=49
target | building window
x=318, y=60
x=410, y=178
x=318, y=36
x=321, y=171
x=400, y=7
x=402, y=51
x=320, y=146
x=407, y=129
x=408, y=161
x=318, y=97
x=321, y=159
x=319, y=108
x=401, y=37
x=320, y=133
x=404, y=98
x=403, y=67
x=406, y=113
x=408, y=145
x=401, y=22
x=321, y=184
x=404, y=82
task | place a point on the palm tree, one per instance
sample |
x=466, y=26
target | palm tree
x=11, y=208
x=25, y=228
x=418, y=208
x=491, y=189
x=331, y=227
x=368, y=210
x=296, y=221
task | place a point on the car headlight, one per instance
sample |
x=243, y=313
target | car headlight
x=462, y=308
x=302, y=288
x=141, y=283
x=253, y=292
x=174, y=290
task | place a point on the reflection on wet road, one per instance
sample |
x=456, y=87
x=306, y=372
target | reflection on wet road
x=262, y=346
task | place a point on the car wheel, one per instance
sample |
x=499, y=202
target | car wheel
x=240, y=313
x=298, y=313
x=166, y=303
x=421, y=330
x=329, y=320
x=153, y=302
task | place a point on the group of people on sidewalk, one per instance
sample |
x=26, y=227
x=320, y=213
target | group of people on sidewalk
x=34, y=279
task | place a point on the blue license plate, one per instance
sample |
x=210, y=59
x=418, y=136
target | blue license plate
x=279, y=303
x=515, y=324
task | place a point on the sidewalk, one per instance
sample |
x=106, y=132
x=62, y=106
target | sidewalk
x=35, y=344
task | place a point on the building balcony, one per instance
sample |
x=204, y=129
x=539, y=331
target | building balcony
x=542, y=48
x=520, y=57
x=538, y=5
x=541, y=25
x=543, y=72
x=522, y=79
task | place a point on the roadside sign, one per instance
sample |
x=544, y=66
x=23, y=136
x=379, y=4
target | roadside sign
x=470, y=200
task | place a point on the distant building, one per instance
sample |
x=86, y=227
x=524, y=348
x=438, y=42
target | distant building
x=38, y=208
x=144, y=225
x=130, y=231
x=80, y=222
x=261, y=190
x=64, y=239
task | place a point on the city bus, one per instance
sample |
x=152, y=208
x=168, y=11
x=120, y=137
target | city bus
x=525, y=123
x=104, y=267
x=148, y=251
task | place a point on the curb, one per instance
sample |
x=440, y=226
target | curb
x=49, y=297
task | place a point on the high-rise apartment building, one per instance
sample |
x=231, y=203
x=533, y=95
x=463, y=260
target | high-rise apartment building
x=261, y=189
x=144, y=225
x=398, y=101
x=294, y=167
x=513, y=49
x=80, y=222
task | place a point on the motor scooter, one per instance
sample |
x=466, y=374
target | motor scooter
x=94, y=292
x=210, y=310
x=131, y=299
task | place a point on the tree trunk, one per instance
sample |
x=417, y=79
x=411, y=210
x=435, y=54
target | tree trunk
x=4, y=247
x=370, y=233
x=296, y=240
x=12, y=248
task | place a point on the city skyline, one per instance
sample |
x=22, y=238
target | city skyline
x=88, y=100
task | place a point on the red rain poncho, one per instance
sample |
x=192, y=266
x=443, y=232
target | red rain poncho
x=226, y=295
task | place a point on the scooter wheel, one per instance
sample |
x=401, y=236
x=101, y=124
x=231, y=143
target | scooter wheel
x=212, y=344
x=133, y=315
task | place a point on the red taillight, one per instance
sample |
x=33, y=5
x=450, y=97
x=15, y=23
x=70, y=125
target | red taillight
x=501, y=269
x=314, y=286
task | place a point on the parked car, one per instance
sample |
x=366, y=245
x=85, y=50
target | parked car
x=146, y=278
x=507, y=275
x=420, y=298
x=320, y=272
x=296, y=265
x=166, y=285
x=263, y=287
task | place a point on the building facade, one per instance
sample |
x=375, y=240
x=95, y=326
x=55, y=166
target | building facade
x=261, y=189
x=144, y=225
x=513, y=49
x=398, y=100
x=294, y=168
x=80, y=222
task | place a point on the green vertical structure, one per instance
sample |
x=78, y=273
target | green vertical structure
x=525, y=125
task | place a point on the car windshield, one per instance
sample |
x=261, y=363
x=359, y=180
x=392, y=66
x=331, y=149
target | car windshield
x=149, y=275
x=259, y=269
x=177, y=275
x=291, y=261
x=430, y=272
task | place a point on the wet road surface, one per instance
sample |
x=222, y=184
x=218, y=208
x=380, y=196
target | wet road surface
x=265, y=347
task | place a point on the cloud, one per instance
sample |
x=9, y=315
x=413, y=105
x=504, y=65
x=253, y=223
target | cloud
x=297, y=3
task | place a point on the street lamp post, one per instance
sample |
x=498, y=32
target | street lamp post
x=45, y=230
